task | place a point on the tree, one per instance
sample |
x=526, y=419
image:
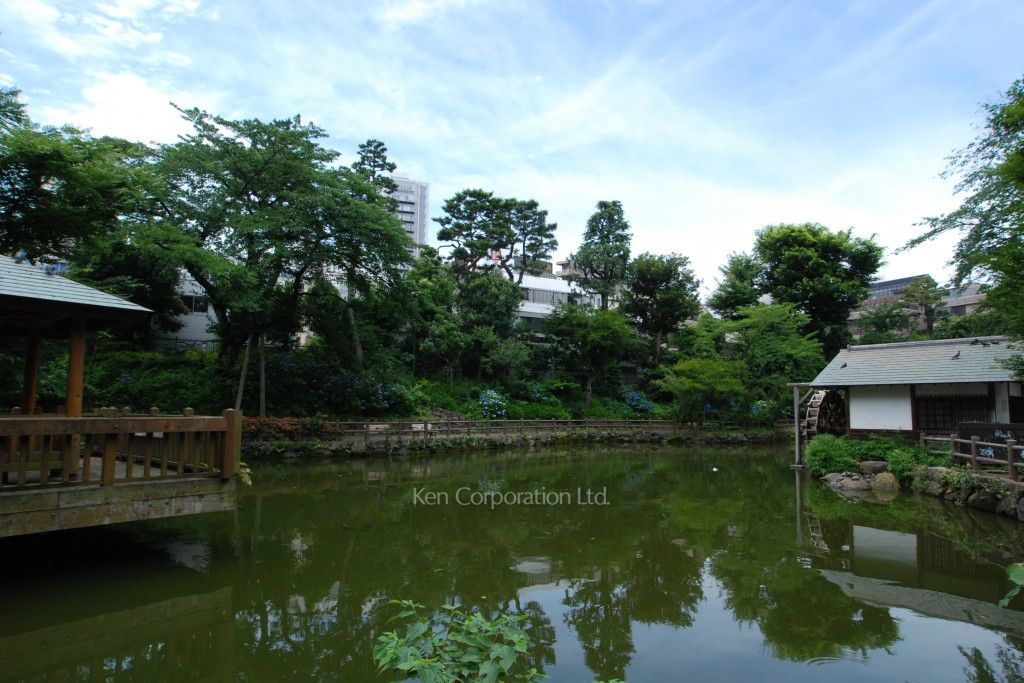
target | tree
x=885, y=322
x=603, y=257
x=58, y=186
x=373, y=165
x=487, y=232
x=590, y=342
x=700, y=386
x=990, y=219
x=771, y=343
x=738, y=286
x=985, y=323
x=12, y=110
x=660, y=293
x=925, y=294
x=822, y=273
x=256, y=211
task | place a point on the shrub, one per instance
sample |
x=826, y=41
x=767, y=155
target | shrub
x=638, y=402
x=827, y=454
x=492, y=404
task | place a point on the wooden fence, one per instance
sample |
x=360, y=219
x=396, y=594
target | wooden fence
x=111, y=447
x=426, y=429
x=978, y=453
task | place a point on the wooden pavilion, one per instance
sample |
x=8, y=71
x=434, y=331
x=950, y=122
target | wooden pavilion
x=68, y=469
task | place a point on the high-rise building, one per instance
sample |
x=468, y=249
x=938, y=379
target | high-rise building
x=412, y=197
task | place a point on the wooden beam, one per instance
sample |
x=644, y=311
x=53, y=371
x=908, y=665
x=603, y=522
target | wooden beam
x=76, y=369
x=32, y=351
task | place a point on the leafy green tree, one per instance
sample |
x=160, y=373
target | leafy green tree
x=256, y=211
x=660, y=293
x=884, y=322
x=771, y=343
x=486, y=232
x=701, y=385
x=488, y=306
x=924, y=293
x=983, y=323
x=373, y=165
x=990, y=220
x=59, y=186
x=589, y=342
x=824, y=274
x=738, y=286
x=603, y=257
x=12, y=110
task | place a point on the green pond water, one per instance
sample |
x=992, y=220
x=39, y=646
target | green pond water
x=701, y=566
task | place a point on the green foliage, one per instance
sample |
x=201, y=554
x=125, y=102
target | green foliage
x=589, y=342
x=981, y=324
x=884, y=322
x=451, y=645
x=1015, y=573
x=492, y=404
x=603, y=257
x=822, y=273
x=701, y=387
x=827, y=453
x=485, y=231
x=738, y=287
x=660, y=293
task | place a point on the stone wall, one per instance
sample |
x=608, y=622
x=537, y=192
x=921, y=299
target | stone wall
x=972, y=488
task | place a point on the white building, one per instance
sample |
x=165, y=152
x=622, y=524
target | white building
x=413, y=198
x=928, y=386
x=542, y=293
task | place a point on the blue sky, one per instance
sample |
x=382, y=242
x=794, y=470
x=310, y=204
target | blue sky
x=707, y=120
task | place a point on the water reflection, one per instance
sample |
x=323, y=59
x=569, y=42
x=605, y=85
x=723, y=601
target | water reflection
x=715, y=566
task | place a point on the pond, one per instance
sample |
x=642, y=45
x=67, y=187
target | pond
x=681, y=565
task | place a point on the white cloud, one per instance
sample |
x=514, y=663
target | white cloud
x=129, y=106
x=410, y=11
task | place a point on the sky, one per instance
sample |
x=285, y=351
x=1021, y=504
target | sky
x=708, y=120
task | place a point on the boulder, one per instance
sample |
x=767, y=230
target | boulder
x=884, y=481
x=870, y=467
x=936, y=473
x=1007, y=506
x=847, y=481
x=983, y=500
x=934, y=488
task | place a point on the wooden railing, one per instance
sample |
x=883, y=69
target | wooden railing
x=978, y=453
x=110, y=447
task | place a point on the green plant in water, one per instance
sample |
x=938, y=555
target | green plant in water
x=452, y=646
x=1015, y=573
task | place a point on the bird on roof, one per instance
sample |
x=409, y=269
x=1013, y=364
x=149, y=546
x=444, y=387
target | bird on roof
x=955, y=356
x=842, y=366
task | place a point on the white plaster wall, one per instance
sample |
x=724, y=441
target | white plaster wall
x=962, y=389
x=881, y=407
x=1002, y=402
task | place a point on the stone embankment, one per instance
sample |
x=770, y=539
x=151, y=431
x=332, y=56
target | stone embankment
x=976, y=489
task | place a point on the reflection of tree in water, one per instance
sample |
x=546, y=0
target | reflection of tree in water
x=542, y=635
x=599, y=614
x=1010, y=658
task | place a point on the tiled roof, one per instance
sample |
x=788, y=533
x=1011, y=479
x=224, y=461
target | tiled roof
x=32, y=282
x=929, y=362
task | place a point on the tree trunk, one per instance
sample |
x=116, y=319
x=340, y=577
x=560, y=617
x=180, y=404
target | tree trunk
x=657, y=347
x=263, y=380
x=241, y=378
x=589, y=388
x=357, y=348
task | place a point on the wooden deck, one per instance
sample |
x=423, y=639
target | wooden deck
x=66, y=472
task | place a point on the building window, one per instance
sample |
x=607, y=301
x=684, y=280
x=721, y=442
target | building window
x=942, y=414
x=196, y=304
x=958, y=310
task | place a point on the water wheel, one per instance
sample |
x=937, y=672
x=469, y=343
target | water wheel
x=826, y=414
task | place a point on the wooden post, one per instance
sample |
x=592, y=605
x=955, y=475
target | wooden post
x=974, y=450
x=28, y=395
x=76, y=368
x=1011, y=461
x=241, y=377
x=232, y=443
x=796, y=428
x=263, y=380
x=109, y=459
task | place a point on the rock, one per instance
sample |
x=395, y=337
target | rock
x=983, y=500
x=934, y=488
x=1007, y=506
x=936, y=473
x=884, y=481
x=1020, y=509
x=870, y=467
x=847, y=481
